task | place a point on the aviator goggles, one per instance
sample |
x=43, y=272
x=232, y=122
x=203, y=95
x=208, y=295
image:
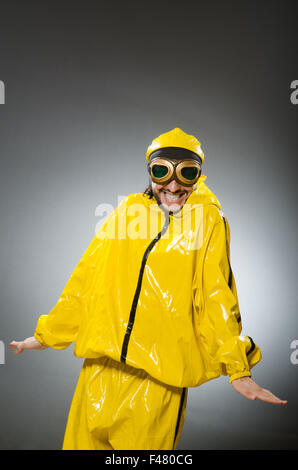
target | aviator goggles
x=185, y=172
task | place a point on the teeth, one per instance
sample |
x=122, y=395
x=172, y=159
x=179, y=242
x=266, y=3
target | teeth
x=171, y=197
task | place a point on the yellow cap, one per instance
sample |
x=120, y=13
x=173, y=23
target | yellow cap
x=176, y=138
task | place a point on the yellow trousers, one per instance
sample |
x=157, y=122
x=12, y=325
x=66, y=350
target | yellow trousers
x=118, y=407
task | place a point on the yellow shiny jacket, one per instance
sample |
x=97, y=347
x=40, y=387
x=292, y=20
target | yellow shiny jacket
x=157, y=292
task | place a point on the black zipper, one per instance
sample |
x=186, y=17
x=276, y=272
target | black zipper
x=138, y=289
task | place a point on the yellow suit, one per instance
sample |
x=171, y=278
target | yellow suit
x=153, y=307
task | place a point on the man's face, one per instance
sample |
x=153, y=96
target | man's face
x=171, y=196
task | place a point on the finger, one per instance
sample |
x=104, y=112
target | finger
x=14, y=346
x=266, y=395
x=274, y=398
x=19, y=347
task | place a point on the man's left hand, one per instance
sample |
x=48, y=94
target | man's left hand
x=249, y=389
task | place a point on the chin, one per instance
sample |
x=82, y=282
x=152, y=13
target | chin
x=172, y=207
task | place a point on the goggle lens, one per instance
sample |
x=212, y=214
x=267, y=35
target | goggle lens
x=159, y=171
x=189, y=173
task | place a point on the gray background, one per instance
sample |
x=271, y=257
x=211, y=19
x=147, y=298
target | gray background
x=88, y=86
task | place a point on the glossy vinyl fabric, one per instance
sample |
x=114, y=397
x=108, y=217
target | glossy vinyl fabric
x=152, y=308
x=116, y=406
x=176, y=138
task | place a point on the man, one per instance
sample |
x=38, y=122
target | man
x=152, y=307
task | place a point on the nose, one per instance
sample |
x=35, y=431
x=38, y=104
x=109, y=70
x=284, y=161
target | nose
x=173, y=186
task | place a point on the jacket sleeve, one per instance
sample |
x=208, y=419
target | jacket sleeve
x=59, y=328
x=220, y=325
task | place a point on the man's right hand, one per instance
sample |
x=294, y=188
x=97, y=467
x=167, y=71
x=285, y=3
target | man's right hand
x=18, y=347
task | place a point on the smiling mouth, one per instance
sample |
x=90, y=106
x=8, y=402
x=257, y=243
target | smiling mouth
x=173, y=197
